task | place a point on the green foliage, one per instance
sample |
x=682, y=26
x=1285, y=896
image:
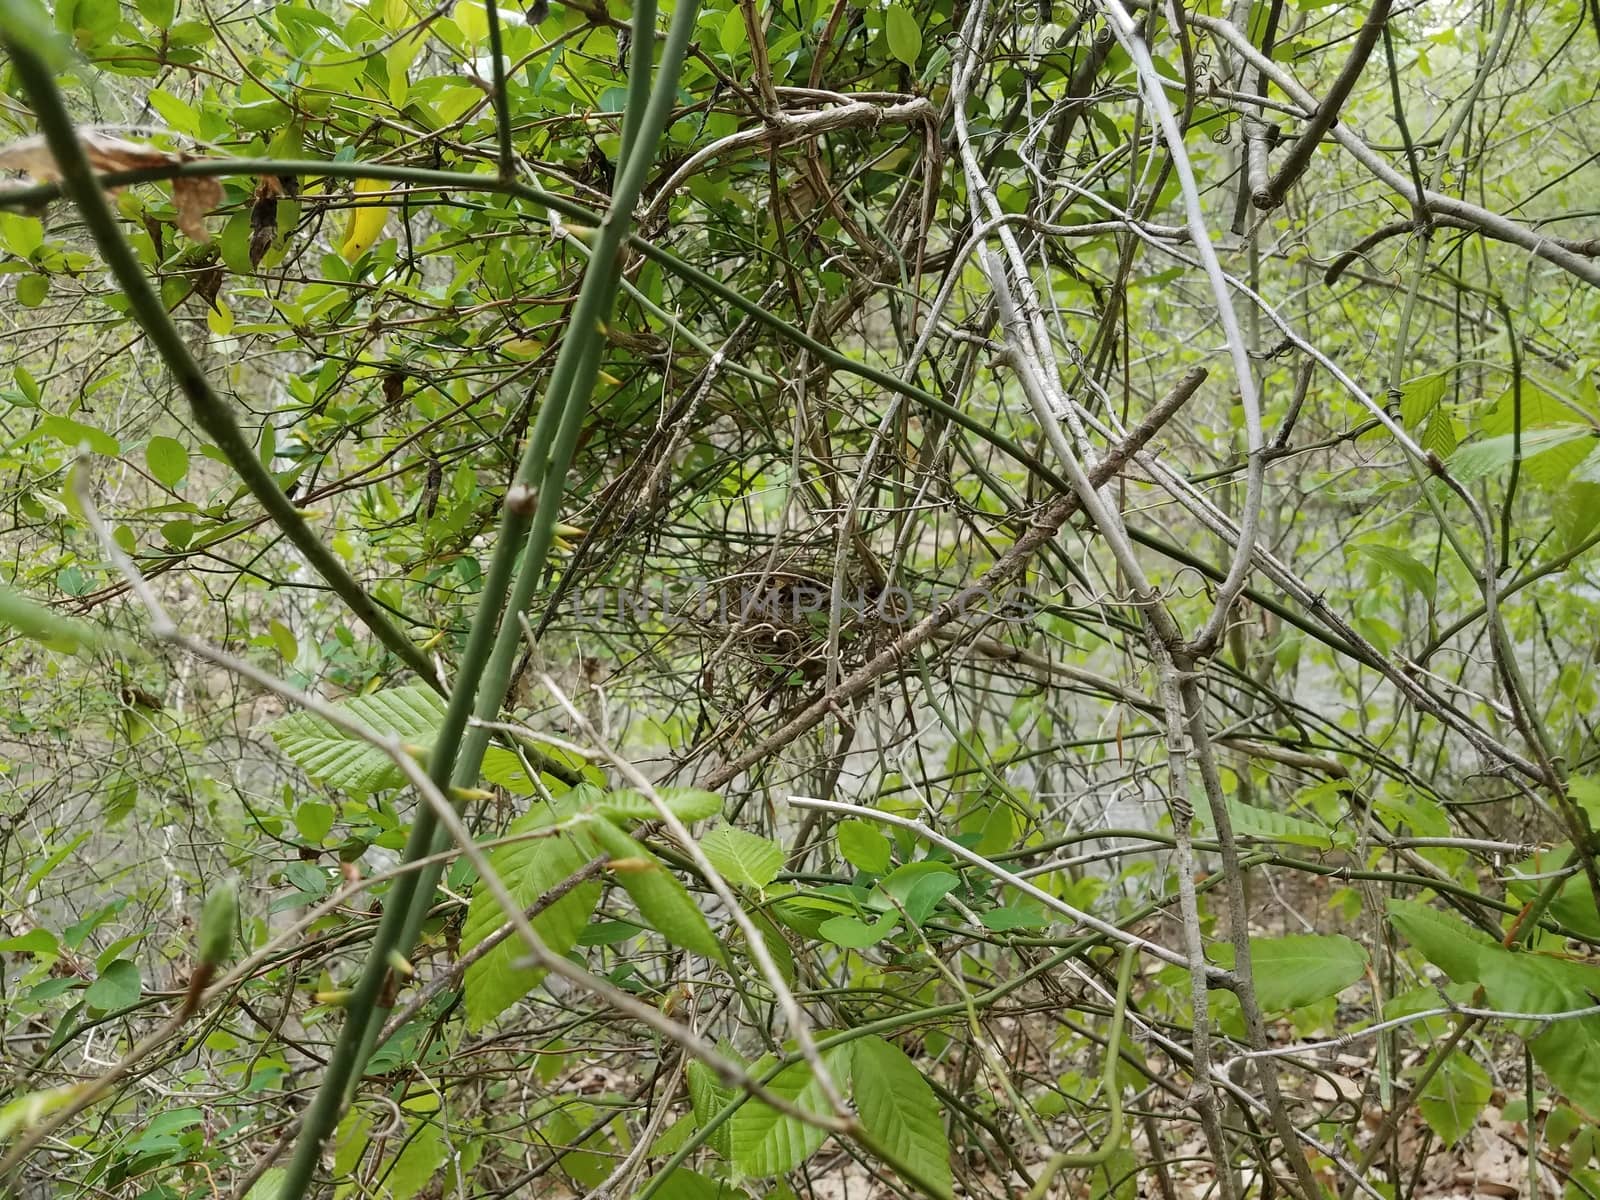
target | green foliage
x=530, y=867
x=744, y=859
x=1453, y=1098
x=891, y=264
x=899, y=1111
x=662, y=899
x=762, y=1141
x=342, y=760
x=1299, y=969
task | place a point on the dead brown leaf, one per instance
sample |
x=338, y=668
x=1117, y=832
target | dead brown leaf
x=194, y=197
x=264, y=214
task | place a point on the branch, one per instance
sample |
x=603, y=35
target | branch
x=1299, y=156
x=1009, y=565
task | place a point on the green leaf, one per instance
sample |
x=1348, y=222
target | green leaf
x=341, y=760
x=219, y=921
x=708, y=1097
x=1567, y=1051
x=900, y=1112
x=905, y=36
x=167, y=459
x=1588, y=471
x=731, y=33
x=1585, y=792
x=1413, y=574
x=684, y=1184
x=864, y=846
x=117, y=987
x=529, y=870
x=855, y=934
x=283, y=640
x=1481, y=458
x=158, y=12
x=1268, y=826
x=269, y=1186
x=661, y=898
x=20, y=234
x=32, y=290
x=625, y=804
x=46, y=626
x=761, y=1140
x=314, y=820
x=1454, y=1096
x=422, y=1155
x=1028, y=915
x=1447, y=942
x=1440, y=433
x=917, y=887
x=777, y=946
x=75, y=433
x=1299, y=969
x=744, y=859
x=1418, y=399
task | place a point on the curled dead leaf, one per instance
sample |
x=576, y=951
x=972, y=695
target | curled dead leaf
x=194, y=197
x=264, y=213
x=105, y=153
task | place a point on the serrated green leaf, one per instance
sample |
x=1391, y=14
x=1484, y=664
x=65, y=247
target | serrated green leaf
x=661, y=899
x=1567, y=1051
x=1268, y=826
x=1414, y=574
x=1419, y=398
x=744, y=859
x=1451, y=1101
x=900, y=1112
x=628, y=806
x=1299, y=969
x=1446, y=941
x=777, y=946
x=1482, y=458
x=529, y=870
x=761, y=1140
x=1440, y=433
x=341, y=760
x=708, y=1097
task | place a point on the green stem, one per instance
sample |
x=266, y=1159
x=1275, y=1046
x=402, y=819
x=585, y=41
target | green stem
x=1113, y=1139
x=502, y=98
x=532, y=505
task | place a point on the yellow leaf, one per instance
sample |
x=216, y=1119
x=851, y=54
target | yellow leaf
x=473, y=21
x=366, y=222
